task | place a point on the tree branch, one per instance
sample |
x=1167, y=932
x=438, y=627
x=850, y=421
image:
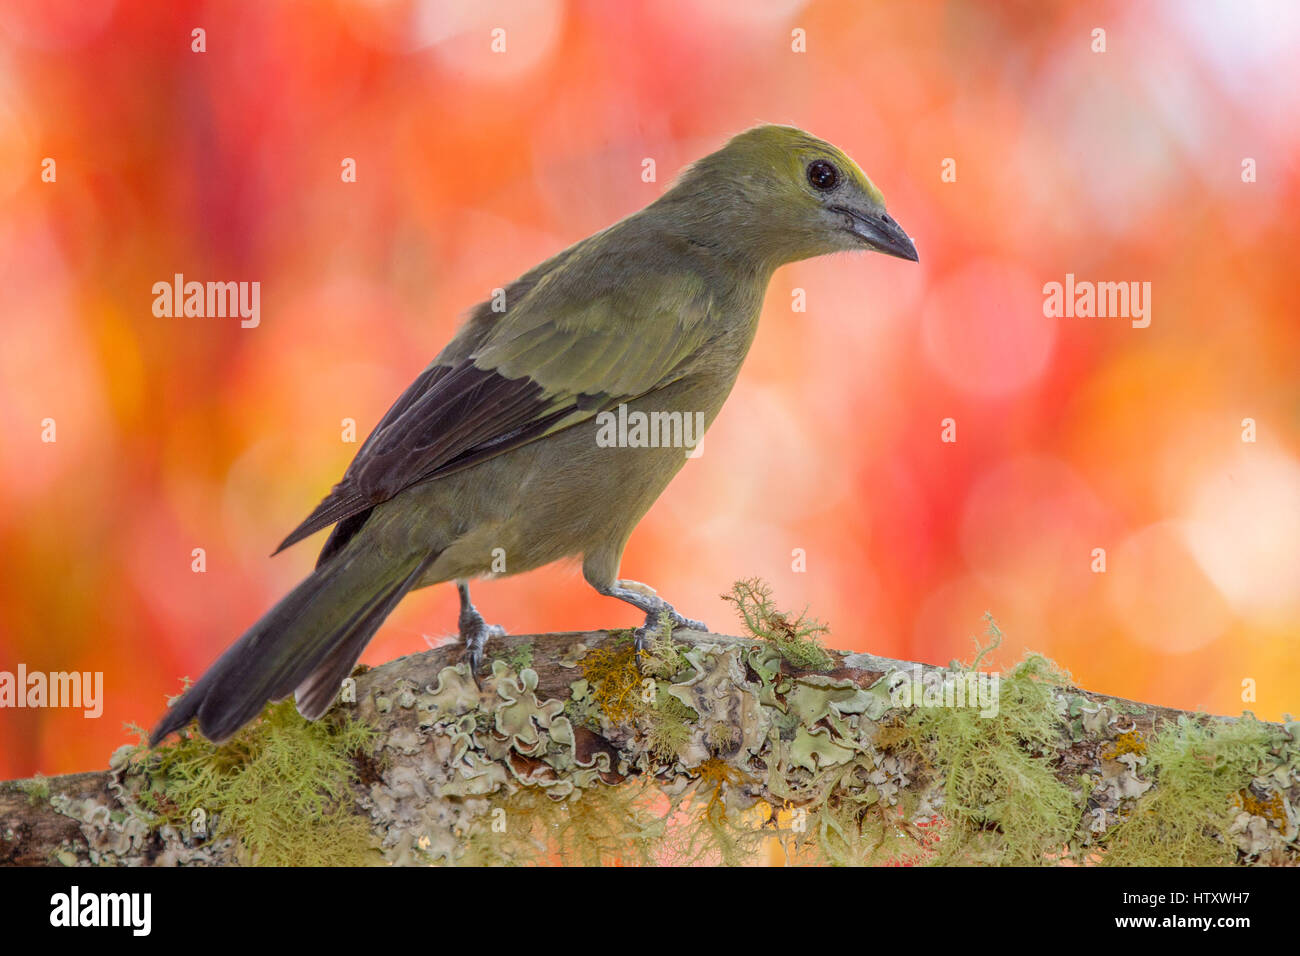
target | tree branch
x=840, y=765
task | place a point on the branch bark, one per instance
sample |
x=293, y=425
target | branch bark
x=443, y=753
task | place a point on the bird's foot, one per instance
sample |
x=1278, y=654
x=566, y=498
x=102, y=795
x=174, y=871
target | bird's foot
x=657, y=622
x=476, y=632
x=646, y=599
x=654, y=621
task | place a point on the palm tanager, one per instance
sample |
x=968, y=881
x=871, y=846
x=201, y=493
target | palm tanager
x=498, y=443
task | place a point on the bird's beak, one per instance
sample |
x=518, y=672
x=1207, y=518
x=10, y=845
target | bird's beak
x=879, y=232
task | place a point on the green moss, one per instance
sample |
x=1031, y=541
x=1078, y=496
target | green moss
x=37, y=789
x=662, y=656
x=520, y=657
x=671, y=727
x=1002, y=799
x=798, y=640
x=280, y=787
x=1200, y=769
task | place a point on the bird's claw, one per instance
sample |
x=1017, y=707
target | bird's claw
x=476, y=633
x=641, y=636
x=474, y=660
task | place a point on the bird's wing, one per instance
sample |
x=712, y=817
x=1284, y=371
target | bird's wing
x=555, y=359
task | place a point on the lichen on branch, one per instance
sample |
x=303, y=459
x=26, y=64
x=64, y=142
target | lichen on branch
x=710, y=749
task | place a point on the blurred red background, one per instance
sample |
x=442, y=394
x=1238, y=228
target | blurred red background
x=472, y=165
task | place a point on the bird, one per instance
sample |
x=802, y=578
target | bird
x=492, y=461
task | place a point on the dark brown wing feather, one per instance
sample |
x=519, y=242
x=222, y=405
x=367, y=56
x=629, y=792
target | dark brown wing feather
x=449, y=418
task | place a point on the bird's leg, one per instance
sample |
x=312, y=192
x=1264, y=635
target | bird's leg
x=643, y=598
x=474, y=631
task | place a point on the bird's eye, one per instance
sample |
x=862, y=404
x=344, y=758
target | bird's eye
x=822, y=175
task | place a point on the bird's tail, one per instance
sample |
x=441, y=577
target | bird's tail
x=305, y=645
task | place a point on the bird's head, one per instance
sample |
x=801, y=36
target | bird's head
x=782, y=194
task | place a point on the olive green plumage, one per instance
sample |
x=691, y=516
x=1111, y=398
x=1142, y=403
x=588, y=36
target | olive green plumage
x=492, y=452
